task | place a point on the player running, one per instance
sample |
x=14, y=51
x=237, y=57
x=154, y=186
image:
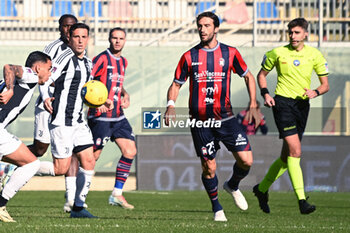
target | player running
x=208, y=66
x=41, y=123
x=294, y=64
x=109, y=67
x=19, y=86
x=68, y=130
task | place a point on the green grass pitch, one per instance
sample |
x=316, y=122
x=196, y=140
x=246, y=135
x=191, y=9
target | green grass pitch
x=179, y=211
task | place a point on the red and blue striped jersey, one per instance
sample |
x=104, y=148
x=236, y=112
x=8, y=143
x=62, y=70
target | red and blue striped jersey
x=209, y=71
x=111, y=71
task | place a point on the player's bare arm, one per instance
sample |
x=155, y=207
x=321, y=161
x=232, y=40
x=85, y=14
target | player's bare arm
x=252, y=113
x=125, y=101
x=10, y=73
x=269, y=101
x=322, y=89
x=173, y=93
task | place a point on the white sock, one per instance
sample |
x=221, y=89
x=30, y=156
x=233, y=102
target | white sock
x=117, y=192
x=46, y=169
x=84, y=178
x=71, y=187
x=19, y=178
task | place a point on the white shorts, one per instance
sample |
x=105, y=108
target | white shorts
x=41, y=126
x=64, y=139
x=9, y=143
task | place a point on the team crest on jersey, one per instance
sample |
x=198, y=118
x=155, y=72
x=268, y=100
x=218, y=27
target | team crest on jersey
x=221, y=62
x=98, y=141
x=204, y=151
x=296, y=62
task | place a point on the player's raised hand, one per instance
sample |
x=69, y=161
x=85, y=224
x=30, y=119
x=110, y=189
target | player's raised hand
x=48, y=104
x=6, y=96
x=169, y=115
x=269, y=101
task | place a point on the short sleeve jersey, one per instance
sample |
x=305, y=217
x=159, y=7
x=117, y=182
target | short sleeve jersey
x=69, y=73
x=53, y=49
x=22, y=94
x=209, y=71
x=294, y=69
x=110, y=70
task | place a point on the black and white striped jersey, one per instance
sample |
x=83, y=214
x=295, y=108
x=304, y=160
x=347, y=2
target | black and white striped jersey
x=53, y=49
x=22, y=93
x=69, y=73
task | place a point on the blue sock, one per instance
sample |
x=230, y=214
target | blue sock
x=122, y=172
x=211, y=186
x=237, y=176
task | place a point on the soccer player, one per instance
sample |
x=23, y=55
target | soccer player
x=294, y=64
x=68, y=130
x=251, y=128
x=109, y=67
x=19, y=86
x=208, y=66
x=41, y=124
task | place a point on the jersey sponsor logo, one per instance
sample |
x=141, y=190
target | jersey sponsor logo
x=53, y=70
x=110, y=67
x=240, y=140
x=206, y=76
x=221, y=62
x=296, y=62
x=326, y=66
x=116, y=77
x=116, y=89
x=210, y=90
x=196, y=63
x=208, y=100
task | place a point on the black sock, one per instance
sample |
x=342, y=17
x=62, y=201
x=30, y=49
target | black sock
x=237, y=176
x=77, y=208
x=3, y=201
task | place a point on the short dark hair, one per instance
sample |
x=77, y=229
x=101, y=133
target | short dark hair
x=78, y=25
x=63, y=17
x=116, y=29
x=37, y=56
x=211, y=15
x=301, y=22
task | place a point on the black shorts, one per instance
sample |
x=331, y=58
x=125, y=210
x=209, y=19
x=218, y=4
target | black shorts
x=231, y=134
x=290, y=115
x=102, y=131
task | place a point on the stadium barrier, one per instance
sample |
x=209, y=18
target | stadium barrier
x=169, y=162
x=154, y=22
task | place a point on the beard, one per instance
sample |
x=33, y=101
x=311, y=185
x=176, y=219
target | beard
x=207, y=41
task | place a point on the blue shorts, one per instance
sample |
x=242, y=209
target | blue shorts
x=103, y=131
x=231, y=134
